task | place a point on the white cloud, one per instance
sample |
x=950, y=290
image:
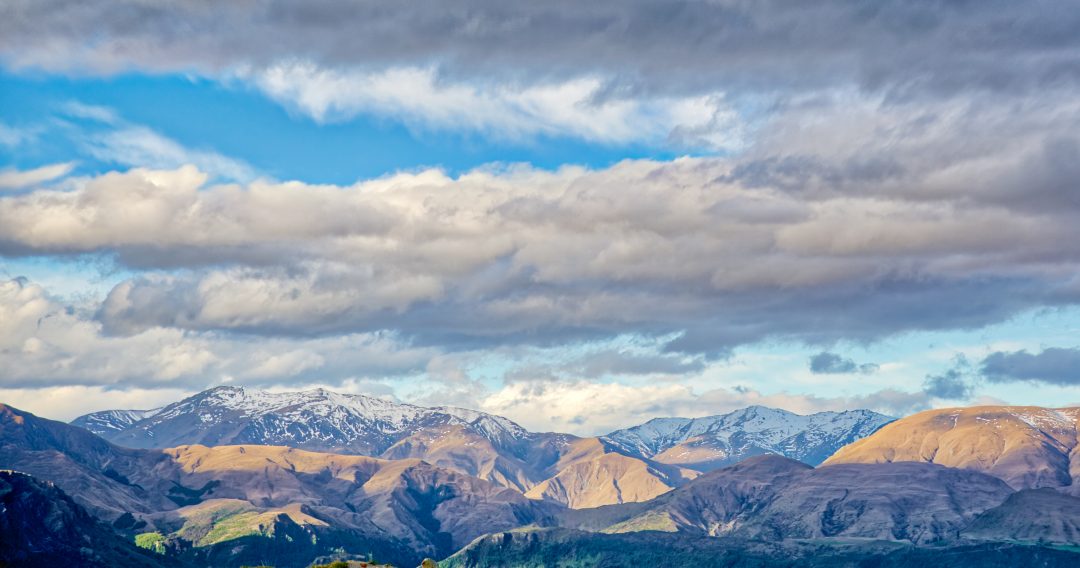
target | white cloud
x=12, y=178
x=140, y=146
x=418, y=97
x=591, y=408
x=725, y=251
x=44, y=343
x=69, y=402
x=11, y=136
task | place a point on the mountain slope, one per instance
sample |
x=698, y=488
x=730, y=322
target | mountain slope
x=108, y=421
x=474, y=443
x=1026, y=446
x=317, y=420
x=592, y=474
x=42, y=526
x=774, y=498
x=716, y=441
x=106, y=479
x=636, y=464
x=406, y=505
x=1034, y=515
x=561, y=547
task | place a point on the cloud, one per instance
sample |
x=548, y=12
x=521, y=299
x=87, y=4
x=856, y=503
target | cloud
x=69, y=402
x=418, y=98
x=826, y=363
x=1053, y=366
x=45, y=343
x=139, y=146
x=651, y=45
x=611, y=362
x=11, y=178
x=948, y=385
x=11, y=136
x=613, y=72
x=694, y=248
x=592, y=408
x=953, y=384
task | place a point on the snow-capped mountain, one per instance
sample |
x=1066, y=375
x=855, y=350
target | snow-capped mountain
x=112, y=420
x=316, y=420
x=633, y=464
x=715, y=441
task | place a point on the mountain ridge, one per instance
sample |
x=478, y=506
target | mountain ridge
x=567, y=469
x=711, y=442
x=1029, y=447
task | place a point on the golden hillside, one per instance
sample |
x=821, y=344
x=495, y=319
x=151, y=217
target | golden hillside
x=1027, y=446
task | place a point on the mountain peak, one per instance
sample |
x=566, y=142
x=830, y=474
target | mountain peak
x=713, y=441
x=1004, y=441
x=318, y=419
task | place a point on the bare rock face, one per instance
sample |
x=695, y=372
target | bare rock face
x=1027, y=446
x=773, y=498
x=1036, y=515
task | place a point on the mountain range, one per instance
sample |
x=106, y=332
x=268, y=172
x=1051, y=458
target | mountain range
x=630, y=465
x=888, y=499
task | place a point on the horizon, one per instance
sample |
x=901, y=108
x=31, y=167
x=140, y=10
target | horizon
x=532, y=429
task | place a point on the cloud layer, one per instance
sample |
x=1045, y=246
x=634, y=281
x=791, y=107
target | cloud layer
x=897, y=225
x=612, y=71
x=683, y=45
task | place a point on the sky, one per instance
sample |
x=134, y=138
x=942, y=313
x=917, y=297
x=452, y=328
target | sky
x=578, y=216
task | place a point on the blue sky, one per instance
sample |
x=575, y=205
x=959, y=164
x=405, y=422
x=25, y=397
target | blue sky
x=235, y=120
x=578, y=226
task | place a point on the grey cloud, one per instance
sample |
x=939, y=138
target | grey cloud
x=1053, y=366
x=906, y=48
x=621, y=363
x=953, y=384
x=825, y=363
x=606, y=362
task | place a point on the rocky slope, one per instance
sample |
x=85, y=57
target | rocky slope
x=41, y=526
x=716, y=441
x=774, y=498
x=1026, y=446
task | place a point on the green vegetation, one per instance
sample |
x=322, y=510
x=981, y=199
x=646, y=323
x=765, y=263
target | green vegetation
x=227, y=520
x=651, y=521
x=152, y=541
